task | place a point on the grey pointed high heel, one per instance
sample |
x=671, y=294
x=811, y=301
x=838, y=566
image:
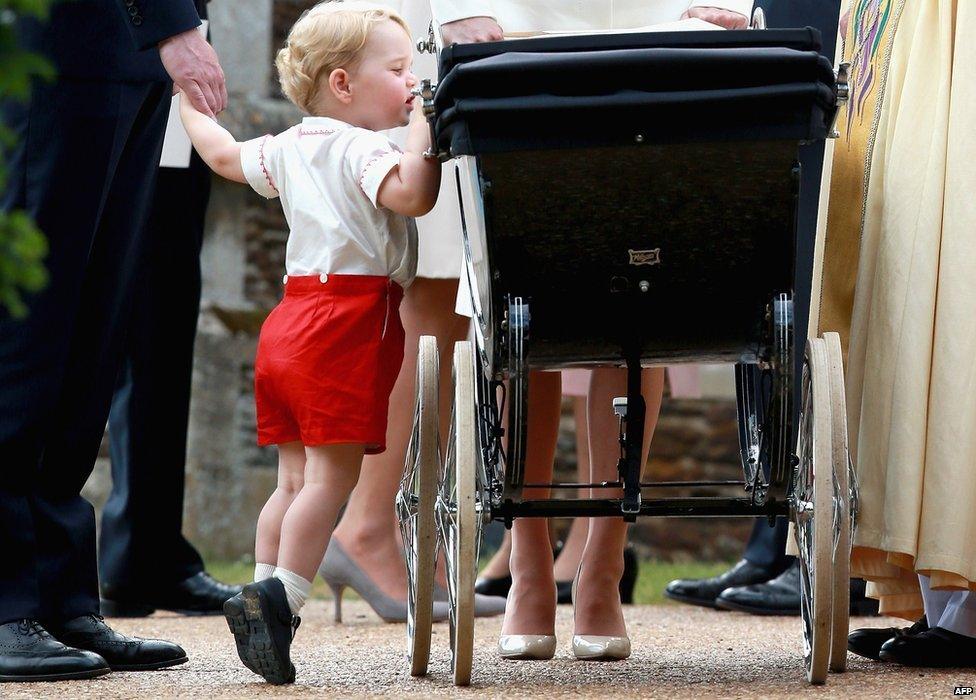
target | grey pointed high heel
x=484, y=605
x=339, y=571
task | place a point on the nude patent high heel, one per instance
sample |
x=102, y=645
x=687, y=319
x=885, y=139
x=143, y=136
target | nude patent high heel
x=529, y=647
x=532, y=647
x=594, y=647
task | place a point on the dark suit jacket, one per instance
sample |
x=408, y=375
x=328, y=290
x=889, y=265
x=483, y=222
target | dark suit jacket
x=112, y=40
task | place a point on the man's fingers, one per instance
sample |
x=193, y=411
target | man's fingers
x=210, y=97
x=199, y=102
x=219, y=93
x=223, y=91
x=722, y=18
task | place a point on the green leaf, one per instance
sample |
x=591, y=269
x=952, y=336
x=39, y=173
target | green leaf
x=23, y=247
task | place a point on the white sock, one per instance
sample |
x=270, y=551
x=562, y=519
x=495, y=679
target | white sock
x=263, y=571
x=296, y=588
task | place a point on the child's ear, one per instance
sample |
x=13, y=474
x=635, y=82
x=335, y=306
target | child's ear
x=339, y=85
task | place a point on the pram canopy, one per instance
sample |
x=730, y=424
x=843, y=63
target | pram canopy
x=603, y=90
x=637, y=190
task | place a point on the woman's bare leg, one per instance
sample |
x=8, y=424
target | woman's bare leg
x=497, y=566
x=531, y=607
x=291, y=477
x=597, y=607
x=569, y=557
x=368, y=529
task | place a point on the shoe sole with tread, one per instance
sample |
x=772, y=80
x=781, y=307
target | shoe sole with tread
x=254, y=645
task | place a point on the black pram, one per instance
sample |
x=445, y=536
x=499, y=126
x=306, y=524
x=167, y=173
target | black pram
x=630, y=200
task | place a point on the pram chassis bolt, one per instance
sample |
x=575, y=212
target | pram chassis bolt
x=843, y=94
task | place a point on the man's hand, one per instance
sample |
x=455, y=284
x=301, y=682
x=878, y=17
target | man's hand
x=472, y=30
x=192, y=64
x=716, y=15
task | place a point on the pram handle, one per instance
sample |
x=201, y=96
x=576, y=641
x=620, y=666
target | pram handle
x=426, y=93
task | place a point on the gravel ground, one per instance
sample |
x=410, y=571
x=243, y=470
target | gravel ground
x=679, y=651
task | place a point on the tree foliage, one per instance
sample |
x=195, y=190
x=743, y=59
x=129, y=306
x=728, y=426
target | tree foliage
x=22, y=246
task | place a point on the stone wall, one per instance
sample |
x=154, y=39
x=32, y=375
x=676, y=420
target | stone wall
x=228, y=476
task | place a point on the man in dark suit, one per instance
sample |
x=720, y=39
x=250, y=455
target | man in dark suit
x=766, y=580
x=83, y=166
x=144, y=561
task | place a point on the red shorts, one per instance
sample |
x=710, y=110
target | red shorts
x=328, y=357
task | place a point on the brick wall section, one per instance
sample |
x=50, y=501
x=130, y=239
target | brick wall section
x=265, y=235
x=286, y=12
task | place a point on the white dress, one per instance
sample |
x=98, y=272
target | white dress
x=439, y=253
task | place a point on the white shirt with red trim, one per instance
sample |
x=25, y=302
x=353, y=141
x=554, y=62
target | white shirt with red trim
x=328, y=174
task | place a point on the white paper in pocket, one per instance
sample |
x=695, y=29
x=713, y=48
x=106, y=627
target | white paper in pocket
x=176, y=143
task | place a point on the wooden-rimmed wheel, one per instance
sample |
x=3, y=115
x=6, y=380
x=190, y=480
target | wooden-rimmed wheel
x=842, y=524
x=415, y=507
x=458, y=520
x=812, y=511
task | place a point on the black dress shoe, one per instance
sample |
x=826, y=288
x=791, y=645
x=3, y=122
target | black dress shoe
x=201, y=594
x=122, y=653
x=704, y=591
x=867, y=641
x=933, y=648
x=780, y=596
x=629, y=579
x=494, y=586
x=263, y=629
x=28, y=653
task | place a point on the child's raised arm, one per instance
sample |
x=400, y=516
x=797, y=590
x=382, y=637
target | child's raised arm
x=411, y=189
x=213, y=142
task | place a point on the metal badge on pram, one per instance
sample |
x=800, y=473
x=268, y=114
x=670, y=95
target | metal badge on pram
x=645, y=257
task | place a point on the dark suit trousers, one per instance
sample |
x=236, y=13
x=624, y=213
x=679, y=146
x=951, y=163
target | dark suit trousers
x=767, y=545
x=84, y=166
x=141, y=542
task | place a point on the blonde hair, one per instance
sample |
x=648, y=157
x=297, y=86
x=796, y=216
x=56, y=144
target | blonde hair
x=330, y=35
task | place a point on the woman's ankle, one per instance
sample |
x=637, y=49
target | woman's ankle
x=531, y=607
x=364, y=540
x=597, y=609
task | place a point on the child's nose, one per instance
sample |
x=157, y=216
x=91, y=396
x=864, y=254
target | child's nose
x=411, y=79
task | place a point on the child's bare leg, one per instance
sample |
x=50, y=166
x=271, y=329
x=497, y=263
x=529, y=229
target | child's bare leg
x=291, y=475
x=531, y=605
x=331, y=472
x=597, y=607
